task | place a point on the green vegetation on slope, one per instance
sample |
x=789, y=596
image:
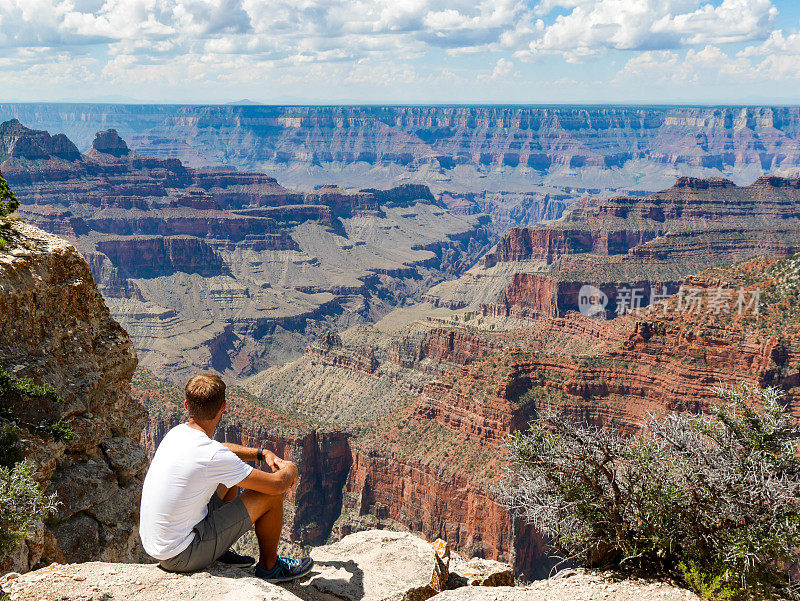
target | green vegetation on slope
x=22, y=501
x=711, y=500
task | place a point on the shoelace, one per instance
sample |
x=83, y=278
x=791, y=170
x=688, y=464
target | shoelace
x=289, y=561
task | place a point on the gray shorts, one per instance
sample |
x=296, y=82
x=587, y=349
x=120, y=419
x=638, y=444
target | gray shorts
x=223, y=526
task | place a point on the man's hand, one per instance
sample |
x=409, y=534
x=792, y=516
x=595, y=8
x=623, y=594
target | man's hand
x=251, y=454
x=275, y=483
x=271, y=459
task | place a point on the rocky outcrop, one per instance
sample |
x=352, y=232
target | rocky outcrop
x=109, y=142
x=369, y=566
x=17, y=141
x=56, y=329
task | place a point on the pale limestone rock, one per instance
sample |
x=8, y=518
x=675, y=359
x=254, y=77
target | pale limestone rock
x=367, y=566
x=373, y=566
x=104, y=581
x=580, y=586
x=479, y=572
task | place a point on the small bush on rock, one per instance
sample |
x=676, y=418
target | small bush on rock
x=8, y=200
x=22, y=503
x=8, y=204
x=713, y=500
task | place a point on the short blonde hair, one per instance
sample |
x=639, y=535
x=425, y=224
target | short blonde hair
x=205, y=394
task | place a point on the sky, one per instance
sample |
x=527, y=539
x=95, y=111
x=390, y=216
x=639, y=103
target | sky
x=401, y=51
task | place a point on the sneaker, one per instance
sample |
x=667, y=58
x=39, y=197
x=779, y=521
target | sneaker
x=232, y=558
x=286, y=569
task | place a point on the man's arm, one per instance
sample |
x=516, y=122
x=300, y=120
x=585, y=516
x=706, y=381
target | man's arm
x=251, y=454
x=275, y=483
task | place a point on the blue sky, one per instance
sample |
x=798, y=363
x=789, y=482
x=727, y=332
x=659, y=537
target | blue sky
x=402, y=51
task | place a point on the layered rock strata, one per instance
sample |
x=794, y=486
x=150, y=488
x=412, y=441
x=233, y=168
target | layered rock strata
x=429, y=459
x=55, y=329
x=632, y=250
x=640, y=148
x=228, y=270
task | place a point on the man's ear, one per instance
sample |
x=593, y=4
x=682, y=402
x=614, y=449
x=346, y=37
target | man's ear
x=222, y=409
x=186, y=406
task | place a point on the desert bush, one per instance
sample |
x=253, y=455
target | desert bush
x=712, y=500
x=8, y=201
x=22, y=503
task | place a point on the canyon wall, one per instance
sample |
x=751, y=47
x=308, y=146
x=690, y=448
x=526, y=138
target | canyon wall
x=430, y=401
x=55, y=329
x=228, y=270
x=627, y=246
x=726, y=139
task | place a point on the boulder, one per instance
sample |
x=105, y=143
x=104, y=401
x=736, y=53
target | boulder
x=479, y=572
x=375, y=565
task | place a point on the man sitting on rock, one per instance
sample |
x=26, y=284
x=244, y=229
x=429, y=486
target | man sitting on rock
x=191, y=513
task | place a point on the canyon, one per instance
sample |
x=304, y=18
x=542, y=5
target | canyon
x=515, y=163
x=401, y=425
x=367, y=333
x=228, y=270
x=631, y=249
x=647, y=146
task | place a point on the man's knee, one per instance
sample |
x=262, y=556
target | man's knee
x=258, y=503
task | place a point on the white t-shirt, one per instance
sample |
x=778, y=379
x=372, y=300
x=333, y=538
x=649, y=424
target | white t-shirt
x=184, y=474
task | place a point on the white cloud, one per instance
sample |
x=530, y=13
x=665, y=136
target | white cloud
x=731, y=21
x=592, y=27
x=502, y=69
x=159, y=35
x=172, y=43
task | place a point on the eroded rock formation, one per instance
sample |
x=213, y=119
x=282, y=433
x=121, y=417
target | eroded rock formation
x=56, y=329
x=616, y=244
x=228, y=270
x=429, y=416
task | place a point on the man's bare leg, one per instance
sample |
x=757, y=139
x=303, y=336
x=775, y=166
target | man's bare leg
x=266, y=513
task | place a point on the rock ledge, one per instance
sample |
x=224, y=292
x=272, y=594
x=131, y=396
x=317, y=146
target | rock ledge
x=367, y=566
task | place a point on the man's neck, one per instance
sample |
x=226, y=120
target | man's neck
x=206, y=427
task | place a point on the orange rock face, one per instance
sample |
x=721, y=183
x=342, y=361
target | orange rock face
x=434, y=466
x=646, y=243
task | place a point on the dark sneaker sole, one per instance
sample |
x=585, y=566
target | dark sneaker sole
x=242, y=564
x=287, y=578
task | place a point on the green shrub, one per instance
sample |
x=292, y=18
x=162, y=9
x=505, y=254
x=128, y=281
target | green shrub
x=22, y=503
x=8, y=200
x=25, y=387
x=713, y=500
